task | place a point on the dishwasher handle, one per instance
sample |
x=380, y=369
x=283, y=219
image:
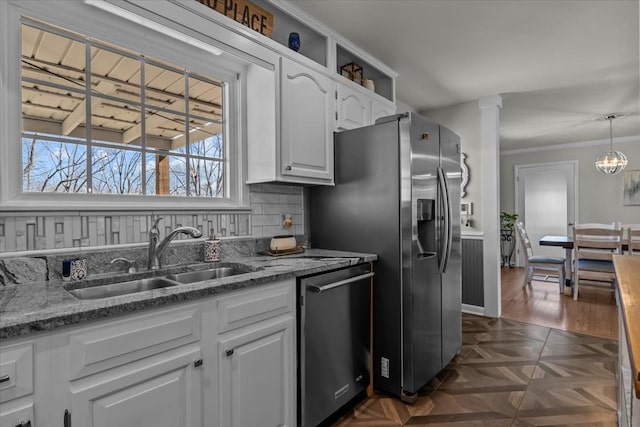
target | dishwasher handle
x=320, y=289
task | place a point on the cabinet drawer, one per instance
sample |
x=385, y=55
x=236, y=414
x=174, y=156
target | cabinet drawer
x=21, y=416
x=103, y=347
x=16, y=371
x=255, y=305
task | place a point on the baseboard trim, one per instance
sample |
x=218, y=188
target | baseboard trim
x=473, y=309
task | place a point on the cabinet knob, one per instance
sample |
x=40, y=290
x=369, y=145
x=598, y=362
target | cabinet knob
x=24, y=424
x=4, y=378
x=197, y=363
x=229, y=352
x=288, y=167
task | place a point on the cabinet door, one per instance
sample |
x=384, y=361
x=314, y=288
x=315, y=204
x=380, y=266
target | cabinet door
x=353, y=108
x=160, y=391
x=18, y=417
x=379, y=109
x=306, y=105
x=257, y=375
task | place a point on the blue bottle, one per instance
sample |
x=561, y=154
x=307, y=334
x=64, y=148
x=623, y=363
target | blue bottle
x=294, y=41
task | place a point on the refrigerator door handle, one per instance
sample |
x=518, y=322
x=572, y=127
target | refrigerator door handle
x=449, y=220
x=446, y=205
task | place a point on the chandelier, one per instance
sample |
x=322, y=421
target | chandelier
x=612, y=162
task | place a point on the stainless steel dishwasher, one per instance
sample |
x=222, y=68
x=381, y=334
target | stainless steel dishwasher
x=334, y=312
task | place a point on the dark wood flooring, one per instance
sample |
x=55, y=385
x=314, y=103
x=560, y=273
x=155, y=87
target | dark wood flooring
x=516, y=373
x=594, y=313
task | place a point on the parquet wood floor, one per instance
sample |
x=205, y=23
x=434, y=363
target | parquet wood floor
x=524, y=372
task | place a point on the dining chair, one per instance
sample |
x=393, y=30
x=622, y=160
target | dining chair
x=535, y=263
x=633, y=238
x=594, y=246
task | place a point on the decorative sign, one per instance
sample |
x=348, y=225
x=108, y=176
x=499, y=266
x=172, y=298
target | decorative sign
x=244, y=12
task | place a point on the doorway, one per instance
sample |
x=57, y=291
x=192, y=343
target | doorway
x=546, y=202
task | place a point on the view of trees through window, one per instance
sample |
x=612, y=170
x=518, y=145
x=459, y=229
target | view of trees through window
x=140, y=127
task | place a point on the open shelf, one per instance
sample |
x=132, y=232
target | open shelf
x=313, y=44
x=383, y=82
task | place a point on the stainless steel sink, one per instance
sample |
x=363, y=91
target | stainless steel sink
x=212, y=273
x=122, y=288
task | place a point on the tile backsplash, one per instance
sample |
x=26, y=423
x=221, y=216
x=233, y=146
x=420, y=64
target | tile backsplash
x=269, y=202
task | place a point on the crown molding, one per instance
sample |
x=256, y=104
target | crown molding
x=582, y=144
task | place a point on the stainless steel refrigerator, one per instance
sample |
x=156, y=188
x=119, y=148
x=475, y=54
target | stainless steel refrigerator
x=397, y=194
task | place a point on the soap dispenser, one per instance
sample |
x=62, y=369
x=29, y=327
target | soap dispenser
x=212, y=248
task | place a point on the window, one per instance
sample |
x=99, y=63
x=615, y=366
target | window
x=100, y=119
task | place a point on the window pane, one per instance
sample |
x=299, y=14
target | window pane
x=165, y=131
x=210, y=146
x=164, y=86
x=177, y=168
x=115, y=122
x=116, y=171
x=206, y=178
x=150, y=165
x=176, y=148
x=205, y=99
x=52, y=166
x=53, y=86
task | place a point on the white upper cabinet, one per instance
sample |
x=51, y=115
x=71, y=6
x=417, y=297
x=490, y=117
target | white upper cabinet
x=381, y=109
x=290, y=95
x=353, y=107
x=359, y=107
x=306, y=110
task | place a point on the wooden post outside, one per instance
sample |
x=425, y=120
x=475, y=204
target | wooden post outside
x=162, y=174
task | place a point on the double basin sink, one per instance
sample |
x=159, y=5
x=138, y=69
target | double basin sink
x=149, y=283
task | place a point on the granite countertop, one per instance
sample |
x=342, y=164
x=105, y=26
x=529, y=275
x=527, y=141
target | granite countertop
x=627, y=267
x=42, y=306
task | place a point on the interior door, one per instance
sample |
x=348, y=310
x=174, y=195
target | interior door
x=546, y=202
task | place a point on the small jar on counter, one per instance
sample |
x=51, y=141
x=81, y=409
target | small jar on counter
x=212, y=248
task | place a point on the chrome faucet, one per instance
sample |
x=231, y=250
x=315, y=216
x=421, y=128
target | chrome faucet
x=156, y=250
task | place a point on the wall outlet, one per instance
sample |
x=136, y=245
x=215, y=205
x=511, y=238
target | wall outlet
x=384, y=367
x=287, y=221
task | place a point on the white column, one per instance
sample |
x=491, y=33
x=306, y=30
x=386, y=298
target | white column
x=490, y=156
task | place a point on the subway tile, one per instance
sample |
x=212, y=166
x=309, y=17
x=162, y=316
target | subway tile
x=81, y=229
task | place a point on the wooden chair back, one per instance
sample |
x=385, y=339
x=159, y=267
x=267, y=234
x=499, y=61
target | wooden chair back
x=633, y=239
x=524, y=240
x=597, y=241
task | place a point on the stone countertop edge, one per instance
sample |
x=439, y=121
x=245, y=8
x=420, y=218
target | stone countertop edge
x=44, y=306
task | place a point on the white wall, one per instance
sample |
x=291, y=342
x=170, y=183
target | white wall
x=403, y=108
x=600, y=196
x=464, y=120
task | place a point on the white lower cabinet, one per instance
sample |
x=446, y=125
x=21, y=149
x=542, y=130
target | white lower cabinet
x=16, y=384
x=160, y=391
x=257, y=375
x=19, y=416
x=256, y=353
x=222, y=361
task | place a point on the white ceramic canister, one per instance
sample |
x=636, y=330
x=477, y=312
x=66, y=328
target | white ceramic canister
x=282, y=243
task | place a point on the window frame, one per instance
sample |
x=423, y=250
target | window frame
x=80, y=18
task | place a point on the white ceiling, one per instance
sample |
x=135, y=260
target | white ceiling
x=558, y=64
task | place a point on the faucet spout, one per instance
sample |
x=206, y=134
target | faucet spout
x=156, y=250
